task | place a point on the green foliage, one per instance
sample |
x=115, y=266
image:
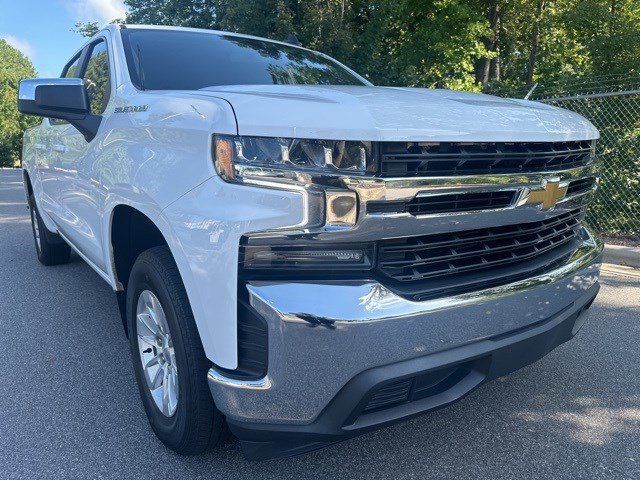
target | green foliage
x=86, y=29
x=13, y=67
x=184, y=13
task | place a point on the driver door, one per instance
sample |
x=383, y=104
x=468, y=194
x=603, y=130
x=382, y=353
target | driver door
x=47, y=167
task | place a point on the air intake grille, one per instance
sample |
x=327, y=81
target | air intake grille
x=401, y=159
x=391, y=394
x=430, y=256
x=424, y=385
x=445, y=203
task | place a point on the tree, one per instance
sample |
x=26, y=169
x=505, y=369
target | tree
x=86, y=29
x=535, y=41
x=14, y=66
x=184, y=13
x=483, y=70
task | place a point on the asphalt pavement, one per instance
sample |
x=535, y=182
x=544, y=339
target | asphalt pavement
x=69, y=406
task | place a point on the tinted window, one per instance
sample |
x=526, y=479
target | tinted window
x=179, y=60
x=97, y=78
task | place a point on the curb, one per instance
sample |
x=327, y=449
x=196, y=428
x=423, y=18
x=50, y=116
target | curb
x=619, y=255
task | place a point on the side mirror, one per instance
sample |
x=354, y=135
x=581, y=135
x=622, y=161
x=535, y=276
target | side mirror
x=62, y=98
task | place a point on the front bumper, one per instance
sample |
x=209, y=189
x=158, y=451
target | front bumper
x=333, y=345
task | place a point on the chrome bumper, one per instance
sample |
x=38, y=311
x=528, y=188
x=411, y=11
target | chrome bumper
x=323, y=334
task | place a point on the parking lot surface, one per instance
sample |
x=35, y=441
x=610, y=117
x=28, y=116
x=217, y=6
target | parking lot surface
x=69, y=406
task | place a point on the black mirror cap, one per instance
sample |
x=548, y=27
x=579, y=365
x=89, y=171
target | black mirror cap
x=71, y=99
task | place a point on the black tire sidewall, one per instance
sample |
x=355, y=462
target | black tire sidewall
x=169, y=429
x=53, y=249
x=35, y=217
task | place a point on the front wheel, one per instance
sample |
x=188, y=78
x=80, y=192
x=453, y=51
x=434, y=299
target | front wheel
x=50, y=247
x=170, y=364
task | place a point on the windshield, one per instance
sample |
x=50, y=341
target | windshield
x=185, y=60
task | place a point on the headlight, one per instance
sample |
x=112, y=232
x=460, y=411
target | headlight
x=237, y=157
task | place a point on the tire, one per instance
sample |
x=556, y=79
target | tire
x=50, y=247
x=190, y=424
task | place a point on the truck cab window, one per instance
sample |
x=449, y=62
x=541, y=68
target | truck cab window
x=97, y=78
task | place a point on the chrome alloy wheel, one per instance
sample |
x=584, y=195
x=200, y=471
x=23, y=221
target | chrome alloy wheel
x=36, y=227
x=156, y=353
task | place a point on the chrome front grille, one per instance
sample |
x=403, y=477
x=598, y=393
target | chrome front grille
x=409, y=159
x=425, y=203
x=429, y=257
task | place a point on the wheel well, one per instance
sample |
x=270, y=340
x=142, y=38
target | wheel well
x=132, y=232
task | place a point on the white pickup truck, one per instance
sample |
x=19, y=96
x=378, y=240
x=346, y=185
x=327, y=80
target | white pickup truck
x=296, y=253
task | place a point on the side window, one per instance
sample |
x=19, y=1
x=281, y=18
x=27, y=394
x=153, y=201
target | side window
x=70, y=70
x=97, y=78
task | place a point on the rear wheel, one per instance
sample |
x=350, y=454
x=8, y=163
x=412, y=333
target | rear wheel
x=50, y=248
x=170, y=364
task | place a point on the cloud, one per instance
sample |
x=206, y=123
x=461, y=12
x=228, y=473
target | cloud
x=20, y=44
x=96, y=10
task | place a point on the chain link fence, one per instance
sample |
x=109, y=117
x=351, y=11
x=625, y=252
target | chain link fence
x=616, y=209
x=613, y=106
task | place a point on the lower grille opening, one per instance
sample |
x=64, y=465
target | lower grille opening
x=418, y=387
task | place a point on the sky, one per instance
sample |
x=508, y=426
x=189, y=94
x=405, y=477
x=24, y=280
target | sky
x=41, y=29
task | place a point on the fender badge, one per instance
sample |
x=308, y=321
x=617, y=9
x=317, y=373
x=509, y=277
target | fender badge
x=132, y=109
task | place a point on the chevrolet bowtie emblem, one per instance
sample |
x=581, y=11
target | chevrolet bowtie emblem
x=552, y=191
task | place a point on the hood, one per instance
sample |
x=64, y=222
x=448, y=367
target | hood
x=395, y=114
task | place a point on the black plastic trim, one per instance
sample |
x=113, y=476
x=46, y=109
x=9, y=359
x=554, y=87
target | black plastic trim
x=253, y=345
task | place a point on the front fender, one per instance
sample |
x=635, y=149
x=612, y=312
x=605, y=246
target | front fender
x=205, y=227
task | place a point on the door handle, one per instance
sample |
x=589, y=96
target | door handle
x=59, y=148
x=39, y=146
